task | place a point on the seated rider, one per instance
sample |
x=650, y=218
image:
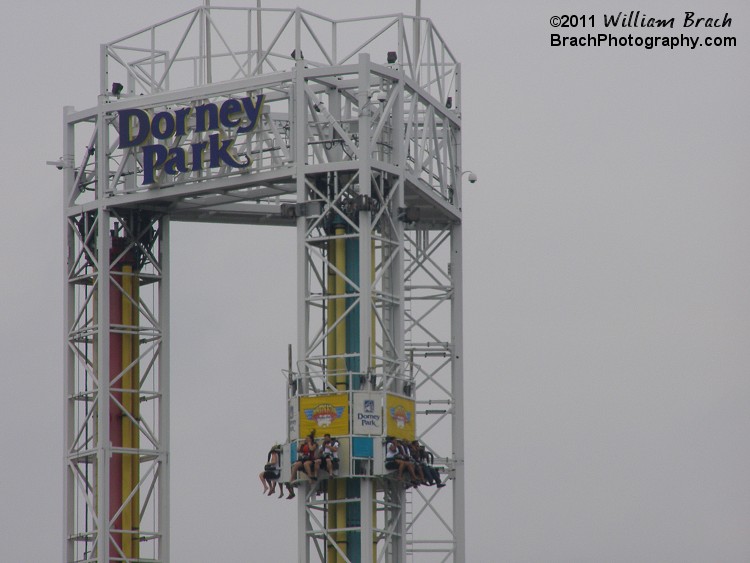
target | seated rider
x=426, y=459
x=329, y=454
x=412, y=455
x=396, y=460
x=306, y=457
x=272, y=470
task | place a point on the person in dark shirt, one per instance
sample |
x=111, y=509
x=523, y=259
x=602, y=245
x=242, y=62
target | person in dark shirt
x=425, y=459
x=272, y=471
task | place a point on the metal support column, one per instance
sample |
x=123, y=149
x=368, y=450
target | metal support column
x=366, y=337
x=457, y=384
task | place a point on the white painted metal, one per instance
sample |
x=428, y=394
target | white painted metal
x=90, y=398
x=384, y=138
x=163, y=515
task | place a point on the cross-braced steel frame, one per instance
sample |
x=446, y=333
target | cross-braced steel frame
x=362, y=157
x=116, y=436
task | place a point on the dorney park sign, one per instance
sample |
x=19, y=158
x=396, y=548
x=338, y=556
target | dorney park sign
x=137, y=127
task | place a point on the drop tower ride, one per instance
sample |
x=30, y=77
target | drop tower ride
x=348, y=131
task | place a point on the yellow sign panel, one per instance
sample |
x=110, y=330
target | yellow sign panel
x=324, y=414
x=400, y=417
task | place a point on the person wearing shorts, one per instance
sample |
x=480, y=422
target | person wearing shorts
x=329, y=454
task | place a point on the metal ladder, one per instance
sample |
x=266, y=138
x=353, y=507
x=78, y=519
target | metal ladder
x=408, y=514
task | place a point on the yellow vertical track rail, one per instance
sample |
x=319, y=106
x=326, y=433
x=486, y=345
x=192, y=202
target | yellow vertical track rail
x=331, y=315
x=331, y=522
x=373, y=340
x=331, y=370
x=339, y=292
x=337, y=512
x=131, y=403
x=373, y=353
x=336, y=368
x=340, y=512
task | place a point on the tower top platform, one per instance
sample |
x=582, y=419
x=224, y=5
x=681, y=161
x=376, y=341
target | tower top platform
x=198, y=114
x=210, y=45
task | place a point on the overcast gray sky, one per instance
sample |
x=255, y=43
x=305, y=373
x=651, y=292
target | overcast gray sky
x=607, y=306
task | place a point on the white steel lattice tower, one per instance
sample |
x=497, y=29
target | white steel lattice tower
x=348, y=131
